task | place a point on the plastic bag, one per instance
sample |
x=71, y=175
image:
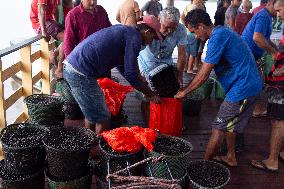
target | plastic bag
x=125, y=139
x=167, y=116
x=115, y=94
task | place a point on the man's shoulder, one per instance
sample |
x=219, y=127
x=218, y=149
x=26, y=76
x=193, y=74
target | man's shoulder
x=100, y=8
x=76, y=10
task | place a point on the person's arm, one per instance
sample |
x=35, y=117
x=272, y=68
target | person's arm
x=181, y=61
x=70, y=34
x=260, y=40
x=198, y=80
x=118, y=16
x=41, y=18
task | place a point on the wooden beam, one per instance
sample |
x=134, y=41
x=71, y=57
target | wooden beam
x=2, y=101
x=37, y=77
x=35, y=56
x=11, y=71
x=45, y=67
x=13, y=98
x=21, y=118
x=27, y=82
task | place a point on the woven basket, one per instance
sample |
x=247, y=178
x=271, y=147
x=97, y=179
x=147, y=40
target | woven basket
x=191, y=104
x=45, y=109
x=210, y=164
x=11, y=181
x=65, y=162
x=23, y=150
x=176, y=164
x=63, y=88
x=84, y=182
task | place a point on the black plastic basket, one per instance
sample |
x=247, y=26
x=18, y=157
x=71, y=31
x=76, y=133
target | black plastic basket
x=191, y=104
x=67, y=150
x=72, y=111
x=11, y=181
x=23, y=149
x=165, y=83
x=83, y=182
x=110, y=154
x=176, y=162
x=45, y=109
x=208, y=174
x=118, y=120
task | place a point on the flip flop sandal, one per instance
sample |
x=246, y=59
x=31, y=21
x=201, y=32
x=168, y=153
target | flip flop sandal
x=259, y=164
x=220, y=160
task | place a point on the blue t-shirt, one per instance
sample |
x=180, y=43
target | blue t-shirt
x=234, y=64
x=261, y=23
x=115, y=46
x=160, y=52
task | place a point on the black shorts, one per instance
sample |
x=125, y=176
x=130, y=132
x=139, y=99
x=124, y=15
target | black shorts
x=275, y=107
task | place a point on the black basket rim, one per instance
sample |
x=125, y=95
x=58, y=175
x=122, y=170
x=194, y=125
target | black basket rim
x=111, y=155
x=53, y=179
x=215, y=163
x=175, y=156
x=60, y=102
x=6, y=171
x=22, y=125
x=69, y=127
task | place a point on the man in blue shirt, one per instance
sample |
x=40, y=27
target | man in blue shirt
x=116, y=46
x=236, y=70
x=257, y=32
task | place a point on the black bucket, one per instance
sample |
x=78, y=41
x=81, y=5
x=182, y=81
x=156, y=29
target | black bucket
x=23, y=149
x=83, y=182
x=208, y=174
x=191, y=105
x=176, y=153
x=72, y=111
x=45, y=109
x=67, y=151
x=11, y=181
x=111, y=154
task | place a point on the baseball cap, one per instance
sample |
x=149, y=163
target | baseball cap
x=153, y=23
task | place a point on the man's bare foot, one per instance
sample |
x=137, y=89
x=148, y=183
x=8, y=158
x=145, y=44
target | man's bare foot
x=226, y=160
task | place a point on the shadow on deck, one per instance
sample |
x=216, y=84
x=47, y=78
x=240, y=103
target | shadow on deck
x=197, y=131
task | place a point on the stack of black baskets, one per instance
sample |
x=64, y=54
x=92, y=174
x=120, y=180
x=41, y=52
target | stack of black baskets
x=24, y=157
x=67, y=153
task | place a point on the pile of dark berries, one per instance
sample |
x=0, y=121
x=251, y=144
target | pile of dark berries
x=171, y=146
x=165, y=83
x=22, y=137
x=65, y=139
x=208, y=174
x=43, y=100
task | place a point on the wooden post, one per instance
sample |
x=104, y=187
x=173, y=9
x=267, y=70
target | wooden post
x=27, y=81
x=45, y=67
x=2, y=100
x=170, y=3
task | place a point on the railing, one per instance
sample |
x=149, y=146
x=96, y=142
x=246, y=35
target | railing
x=25, y=65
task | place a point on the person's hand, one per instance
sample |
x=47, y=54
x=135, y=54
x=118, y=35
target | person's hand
x=46, y=36
x=180, y=94
x=58, y=73
x=180, y=81
x=278, y=72
x=156, y=99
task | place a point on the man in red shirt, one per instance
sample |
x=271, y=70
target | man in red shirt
x=82, y=21
x=43, y=15
x=243, y=18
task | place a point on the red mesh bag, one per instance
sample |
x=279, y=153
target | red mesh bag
x=115, y=94
x=125, y=139
x=167, y=116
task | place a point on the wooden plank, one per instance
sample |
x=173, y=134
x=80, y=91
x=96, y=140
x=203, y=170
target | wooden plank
x=37, y=77
x=45, y=67
x=11, y=71
x=13, y=98
x=21, y=118
x=27, y=82
x=18, y=46
x=35, y=56
x=2, y=101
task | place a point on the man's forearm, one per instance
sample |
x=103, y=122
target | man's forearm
x=41, y=17
x=263, y=43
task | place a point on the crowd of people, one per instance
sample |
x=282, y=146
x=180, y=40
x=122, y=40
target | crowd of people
x=143, y=44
